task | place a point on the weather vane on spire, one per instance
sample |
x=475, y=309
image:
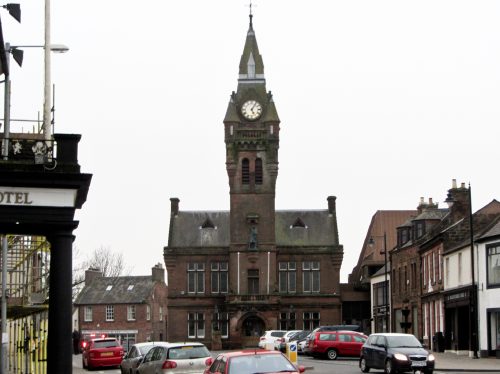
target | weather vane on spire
x=251, y=14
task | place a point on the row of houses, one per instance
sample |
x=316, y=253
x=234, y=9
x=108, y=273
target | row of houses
x=442, y=275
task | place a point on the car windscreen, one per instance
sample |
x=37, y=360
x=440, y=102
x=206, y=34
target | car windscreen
x=145, y=349
x=268, y=363
x=105, y=343
x=399, y=341
x=188, y=352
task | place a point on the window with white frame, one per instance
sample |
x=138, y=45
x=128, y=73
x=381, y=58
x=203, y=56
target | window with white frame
x=287, y=277
x=311, y=320
x=110, y=312
x=148, y=313
x=310, y=276
x=196, y=277
x=493, y=265
x=160, y=316
x=221, y=323
x=219, y=277
x=196, y=325
x=87, y=314
x=130, y=312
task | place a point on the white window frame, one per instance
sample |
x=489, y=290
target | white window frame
x=161, y=314
x=196, y=325
x=87, y=313
x=131, y=315
x=288, y=270
x=110, y=313
x=309, y=268
x=218, y=273
x=148, y=313
x=196, y=270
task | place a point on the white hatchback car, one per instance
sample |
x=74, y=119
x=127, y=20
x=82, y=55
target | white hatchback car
x=270, y=337
x=285, y=338
x=176, y=358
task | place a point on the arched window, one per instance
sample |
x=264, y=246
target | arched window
x=245, y=171
x=258, y=171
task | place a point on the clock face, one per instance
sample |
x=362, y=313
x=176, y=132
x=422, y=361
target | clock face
x=251, y=109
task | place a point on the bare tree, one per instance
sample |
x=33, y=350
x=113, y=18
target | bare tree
x=110, y=263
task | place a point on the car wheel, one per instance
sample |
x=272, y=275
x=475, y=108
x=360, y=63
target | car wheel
x=388, y=369
x=331, y=354
x=363, y=366
x=428, y=371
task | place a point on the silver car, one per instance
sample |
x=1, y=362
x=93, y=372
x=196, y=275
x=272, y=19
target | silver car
x=176, y=358
x=134, y=356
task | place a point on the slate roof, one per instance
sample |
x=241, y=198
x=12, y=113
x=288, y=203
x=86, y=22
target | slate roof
x=96, y=293
x=320, y=229
x=493, y=231
x=432, y=214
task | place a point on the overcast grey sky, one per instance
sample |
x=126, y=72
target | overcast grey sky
x=381, y=102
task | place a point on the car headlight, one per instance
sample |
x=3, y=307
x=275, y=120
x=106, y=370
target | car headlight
x=431, y=357
x=400, y=357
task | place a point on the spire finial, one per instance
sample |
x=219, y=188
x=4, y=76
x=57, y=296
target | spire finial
x=251, y=14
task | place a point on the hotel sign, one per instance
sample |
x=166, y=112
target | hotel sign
x=50, y=197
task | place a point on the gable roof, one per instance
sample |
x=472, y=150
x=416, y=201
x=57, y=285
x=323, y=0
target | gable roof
x=96, y=292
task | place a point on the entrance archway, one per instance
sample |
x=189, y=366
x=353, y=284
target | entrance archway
x=252, y=329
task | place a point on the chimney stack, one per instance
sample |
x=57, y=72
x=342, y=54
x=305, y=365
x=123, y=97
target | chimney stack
x=174, y=206
x=331, y=204
x=158, y=273
x=91, y=274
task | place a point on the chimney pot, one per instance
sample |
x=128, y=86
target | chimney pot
x=453, y=183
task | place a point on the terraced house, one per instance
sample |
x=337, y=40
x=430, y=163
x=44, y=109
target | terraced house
x=234, y=274
x=129, y=308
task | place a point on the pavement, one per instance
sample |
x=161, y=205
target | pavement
x=454, y=363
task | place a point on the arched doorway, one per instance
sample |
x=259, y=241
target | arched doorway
x=252, y=329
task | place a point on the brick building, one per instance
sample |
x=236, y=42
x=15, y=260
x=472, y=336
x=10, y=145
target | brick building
x=130, y=308
x=234, y=274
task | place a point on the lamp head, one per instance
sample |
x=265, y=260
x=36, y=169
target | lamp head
x=59, y=48
x=14, y=10
x=371, y=242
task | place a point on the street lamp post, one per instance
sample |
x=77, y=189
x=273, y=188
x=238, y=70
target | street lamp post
x=17, y=53
x=386, y=283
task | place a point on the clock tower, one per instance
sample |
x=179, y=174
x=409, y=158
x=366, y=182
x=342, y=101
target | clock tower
x=252, y=129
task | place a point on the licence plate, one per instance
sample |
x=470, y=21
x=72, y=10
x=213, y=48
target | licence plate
x=106, y=354
x=418, y=363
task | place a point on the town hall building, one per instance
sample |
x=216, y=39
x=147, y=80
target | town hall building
x=234, y=274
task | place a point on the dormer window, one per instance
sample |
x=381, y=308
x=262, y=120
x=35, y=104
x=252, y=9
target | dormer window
x=208, y=224
x=298, y=223
x=404, y=236
x=419, y=229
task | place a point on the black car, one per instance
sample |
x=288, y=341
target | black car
x=395, y=353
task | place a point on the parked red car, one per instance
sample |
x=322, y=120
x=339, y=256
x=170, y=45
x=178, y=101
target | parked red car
x=333, y=344
x=103, y=352
x=253, y=361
